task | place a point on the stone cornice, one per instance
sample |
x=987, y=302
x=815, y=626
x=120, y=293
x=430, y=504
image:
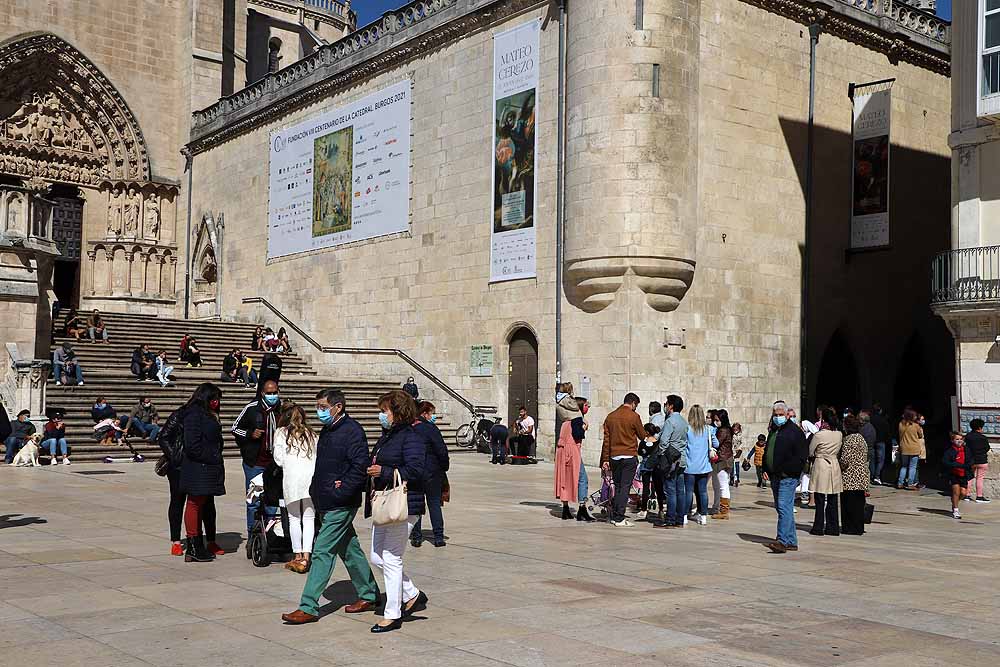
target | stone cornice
x=309, y=11
x=398, y=37
x=899, y=31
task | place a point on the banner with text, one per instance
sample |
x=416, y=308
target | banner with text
x=341, y=176
x=870, y=189
x=515, y=83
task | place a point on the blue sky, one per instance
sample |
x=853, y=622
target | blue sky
x=369, y=10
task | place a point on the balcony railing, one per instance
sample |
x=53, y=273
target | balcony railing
x=332, y=6
x=967, y=275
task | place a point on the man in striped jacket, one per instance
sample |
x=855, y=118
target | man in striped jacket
x=254, y=432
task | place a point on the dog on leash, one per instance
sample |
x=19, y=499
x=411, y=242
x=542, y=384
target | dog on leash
x=28, y=455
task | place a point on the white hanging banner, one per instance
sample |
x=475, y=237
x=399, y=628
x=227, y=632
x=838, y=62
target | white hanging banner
x=515, y=84
x=870, y=183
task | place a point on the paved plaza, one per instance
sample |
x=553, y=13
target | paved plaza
x=86, y=581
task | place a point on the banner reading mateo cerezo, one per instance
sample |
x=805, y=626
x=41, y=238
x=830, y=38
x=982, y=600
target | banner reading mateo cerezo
x=870, y=191
x=515, y=84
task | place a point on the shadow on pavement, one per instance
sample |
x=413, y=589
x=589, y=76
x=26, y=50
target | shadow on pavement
x=8, y=520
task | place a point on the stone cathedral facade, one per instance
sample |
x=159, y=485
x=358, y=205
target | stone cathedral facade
x=674, y=161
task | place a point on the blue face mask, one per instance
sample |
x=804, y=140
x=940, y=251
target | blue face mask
x=101, y=406
x=384, y=420
x=779, y=421
x=271, y=399
x=324, y=416
x=433, y=419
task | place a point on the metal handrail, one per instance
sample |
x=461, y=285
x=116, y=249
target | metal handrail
x=382, y=351
x=966, y=275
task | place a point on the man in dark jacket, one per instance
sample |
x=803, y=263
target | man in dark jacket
x=883, y=438
x=784, y=458
x=144, y=418
x=17, y=433
x=338, y=482
x=979, y=450
x=254, y=432
x=143, y=363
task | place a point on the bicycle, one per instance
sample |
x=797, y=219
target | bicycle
x=476, y=434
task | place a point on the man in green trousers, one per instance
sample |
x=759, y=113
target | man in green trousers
x=337, y=486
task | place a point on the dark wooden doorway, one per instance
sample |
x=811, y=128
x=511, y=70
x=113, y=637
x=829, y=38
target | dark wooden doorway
x=522, y=382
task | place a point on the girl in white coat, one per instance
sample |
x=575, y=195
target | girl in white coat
x=295, y=452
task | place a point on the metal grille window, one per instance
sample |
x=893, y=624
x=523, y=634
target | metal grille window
x=990, y=32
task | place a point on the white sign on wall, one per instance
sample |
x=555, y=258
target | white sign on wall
x=515, y=108
x=341, y=176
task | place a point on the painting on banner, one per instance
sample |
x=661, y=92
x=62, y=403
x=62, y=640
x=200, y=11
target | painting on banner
x=341, y=176
x=515, y=108
x=870, y=190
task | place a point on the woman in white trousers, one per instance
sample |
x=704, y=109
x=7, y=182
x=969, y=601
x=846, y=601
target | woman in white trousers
x=400, y=450
x=294, y=449
x=163, y=371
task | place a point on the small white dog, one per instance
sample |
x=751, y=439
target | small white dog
x=28, y=455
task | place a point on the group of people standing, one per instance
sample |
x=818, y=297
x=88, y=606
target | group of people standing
x=327, y=477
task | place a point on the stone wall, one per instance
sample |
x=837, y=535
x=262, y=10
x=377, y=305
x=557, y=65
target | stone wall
x=427, y=292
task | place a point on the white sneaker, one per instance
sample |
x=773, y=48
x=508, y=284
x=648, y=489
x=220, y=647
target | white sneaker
x=66, y=461
x=878, y=481
x=685, y=522
x=702, y=520
x=79, y=384
x=624, y=523
x=641, y=516
x=58, y=383
x=956, y=514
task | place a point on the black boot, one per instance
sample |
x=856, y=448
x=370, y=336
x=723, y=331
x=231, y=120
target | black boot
x=196, y=551
x=583, y=514
x=566, y=515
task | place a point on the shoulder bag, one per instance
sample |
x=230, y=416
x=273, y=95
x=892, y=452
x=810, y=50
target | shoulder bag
x=389, y=505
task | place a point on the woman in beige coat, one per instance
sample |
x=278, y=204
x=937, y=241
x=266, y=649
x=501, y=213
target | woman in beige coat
x=911, y=444
x=825, y=478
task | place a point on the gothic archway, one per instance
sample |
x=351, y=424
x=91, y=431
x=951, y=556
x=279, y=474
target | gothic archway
x=838, y=383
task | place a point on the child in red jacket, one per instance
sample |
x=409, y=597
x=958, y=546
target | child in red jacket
x=957, y=462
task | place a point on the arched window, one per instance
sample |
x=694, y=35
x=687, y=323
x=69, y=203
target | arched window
x=274, y=55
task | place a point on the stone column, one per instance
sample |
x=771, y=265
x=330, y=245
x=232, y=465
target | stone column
x=110, y=255
x=129, y=260
x=632, y=156
x=92, y=256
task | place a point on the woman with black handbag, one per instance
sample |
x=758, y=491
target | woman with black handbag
x=399, y=457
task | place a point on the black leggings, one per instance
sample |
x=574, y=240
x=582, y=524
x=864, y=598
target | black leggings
x=652, y=480
x=175, y=511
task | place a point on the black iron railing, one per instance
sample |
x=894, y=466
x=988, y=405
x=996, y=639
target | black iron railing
x=966, y=275
x=377, y=351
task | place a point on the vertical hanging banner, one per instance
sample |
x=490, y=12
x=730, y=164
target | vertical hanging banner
x=515, y=84
x=870, y=172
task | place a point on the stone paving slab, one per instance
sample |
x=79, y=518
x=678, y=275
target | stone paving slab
x=87, y=580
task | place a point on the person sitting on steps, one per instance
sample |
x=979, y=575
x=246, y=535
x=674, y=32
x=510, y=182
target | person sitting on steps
x=143, y=363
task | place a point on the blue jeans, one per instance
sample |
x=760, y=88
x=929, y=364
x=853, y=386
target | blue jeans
x=675, y=491
x=582, y=485
x=13, y=444
x=908, y=470
x=697, y=484
x=784, y=503
x=249, y=472
x=51, y=444
x=148, y=431
x=878, y=461
x=59, y=369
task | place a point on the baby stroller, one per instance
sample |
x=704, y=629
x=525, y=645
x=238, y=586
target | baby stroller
x=269, y=538
x=604, y=497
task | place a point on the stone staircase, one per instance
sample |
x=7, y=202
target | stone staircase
x=106, y=368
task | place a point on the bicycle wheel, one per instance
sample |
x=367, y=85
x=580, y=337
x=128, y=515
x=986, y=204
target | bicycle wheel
x=464, y=436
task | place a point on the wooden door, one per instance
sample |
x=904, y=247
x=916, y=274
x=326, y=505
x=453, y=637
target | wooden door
x=522, y=386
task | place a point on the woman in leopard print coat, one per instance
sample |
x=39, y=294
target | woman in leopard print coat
x=854, y=469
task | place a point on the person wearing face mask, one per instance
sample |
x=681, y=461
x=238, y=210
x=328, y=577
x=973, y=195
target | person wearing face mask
x=254, y=432
x=202, y=473
x=784, y=457
x=337, y=484
x=144, y=419
x=399, y=450
x=410, y=387
x=435, y=474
